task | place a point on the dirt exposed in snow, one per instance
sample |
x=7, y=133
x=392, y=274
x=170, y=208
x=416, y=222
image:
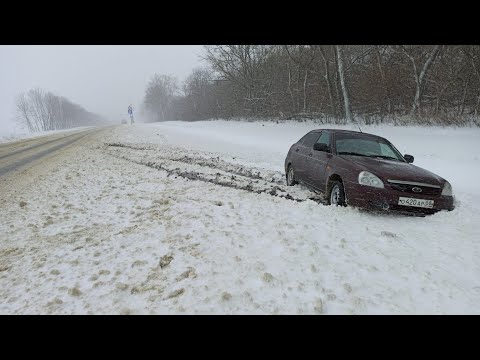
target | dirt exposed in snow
x=178, y=162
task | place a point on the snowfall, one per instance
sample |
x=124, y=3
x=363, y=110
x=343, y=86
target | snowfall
x=196, y=218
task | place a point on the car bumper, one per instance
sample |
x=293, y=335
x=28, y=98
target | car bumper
x=387, y=199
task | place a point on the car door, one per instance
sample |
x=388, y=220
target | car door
x=302, y=152
x=294, y=157
x=317, y=162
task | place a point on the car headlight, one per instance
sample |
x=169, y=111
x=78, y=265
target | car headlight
x=447, y=189
x=368, y=179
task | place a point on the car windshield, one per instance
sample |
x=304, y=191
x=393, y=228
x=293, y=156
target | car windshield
x=356, y=145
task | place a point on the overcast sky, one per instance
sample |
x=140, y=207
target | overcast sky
x=104, y=79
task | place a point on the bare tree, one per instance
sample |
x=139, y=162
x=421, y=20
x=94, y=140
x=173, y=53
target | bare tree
x=199, y=94
x=24, y=112
x=159, y=95
x=420, y=74
x=328, y=81
x=246, y=69
x=341, y=73
x=433, y=83
x=381, y=70
x=44, y=111
x=472, y=52
x=302, y=56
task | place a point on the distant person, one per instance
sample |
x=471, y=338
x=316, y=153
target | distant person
x=130, y=112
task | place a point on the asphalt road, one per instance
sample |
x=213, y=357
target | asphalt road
x=20, y=155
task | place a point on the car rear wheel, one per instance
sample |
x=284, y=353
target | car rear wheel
x=337, y=194
x=291, y=177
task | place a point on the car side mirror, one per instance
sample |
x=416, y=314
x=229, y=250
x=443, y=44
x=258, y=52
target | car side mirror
x=321, y=147
x=409, y=158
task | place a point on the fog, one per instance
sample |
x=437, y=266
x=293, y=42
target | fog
x=104, y=79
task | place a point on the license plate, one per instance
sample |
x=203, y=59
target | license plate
x=423, y=203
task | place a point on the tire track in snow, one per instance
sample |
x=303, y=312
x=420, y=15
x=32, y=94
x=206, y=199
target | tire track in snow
x=213, y=162
x=211, y=170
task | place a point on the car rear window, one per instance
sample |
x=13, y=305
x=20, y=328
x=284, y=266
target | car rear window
x=310, y=139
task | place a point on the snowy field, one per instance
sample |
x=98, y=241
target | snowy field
x=195, y=218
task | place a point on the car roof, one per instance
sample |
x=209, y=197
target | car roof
x=347, y=132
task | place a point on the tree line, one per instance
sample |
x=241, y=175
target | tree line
x=41, y=110
x=436, y=84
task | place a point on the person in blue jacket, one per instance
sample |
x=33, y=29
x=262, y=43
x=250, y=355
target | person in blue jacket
x=130, y=112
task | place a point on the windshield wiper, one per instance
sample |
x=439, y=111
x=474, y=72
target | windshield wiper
x=377, y=156
x=351, y=153
x=383, y=157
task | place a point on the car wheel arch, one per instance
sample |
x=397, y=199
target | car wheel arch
x=290, y=166
x=331, y=179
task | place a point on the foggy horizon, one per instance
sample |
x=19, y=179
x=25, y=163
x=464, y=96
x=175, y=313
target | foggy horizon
x=104, y=79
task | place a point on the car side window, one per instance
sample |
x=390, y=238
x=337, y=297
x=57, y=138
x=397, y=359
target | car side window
x=310, y=139
x=324, y=139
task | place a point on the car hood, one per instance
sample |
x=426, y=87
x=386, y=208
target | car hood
x=395, y=170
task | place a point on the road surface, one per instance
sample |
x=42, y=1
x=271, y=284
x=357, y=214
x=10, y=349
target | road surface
x=21, y=155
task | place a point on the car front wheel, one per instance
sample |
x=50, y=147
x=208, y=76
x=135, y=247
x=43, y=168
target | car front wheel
x=291, y=176
x=337, y=194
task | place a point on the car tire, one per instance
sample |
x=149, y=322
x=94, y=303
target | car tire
x=291, y=177
x=336, y=196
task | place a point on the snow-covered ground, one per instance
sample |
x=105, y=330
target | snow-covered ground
x=175, y=218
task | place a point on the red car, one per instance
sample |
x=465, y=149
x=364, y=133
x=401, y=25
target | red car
x=364, y=170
